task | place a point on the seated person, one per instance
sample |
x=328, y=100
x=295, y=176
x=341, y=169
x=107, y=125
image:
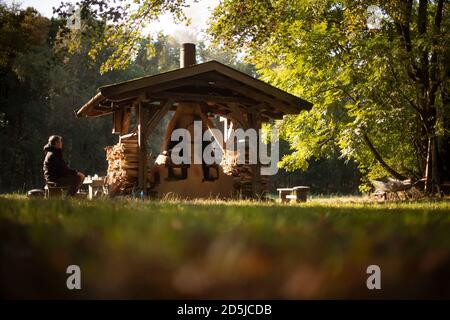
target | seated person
x=56, y=169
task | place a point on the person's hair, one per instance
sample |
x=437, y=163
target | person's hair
x=53, y=140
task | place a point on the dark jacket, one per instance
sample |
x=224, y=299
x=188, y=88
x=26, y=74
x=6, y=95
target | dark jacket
x=54, y=165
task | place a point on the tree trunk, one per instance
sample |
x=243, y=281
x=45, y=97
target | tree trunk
x=378, y=157
x=428, y=168
x=443, y=142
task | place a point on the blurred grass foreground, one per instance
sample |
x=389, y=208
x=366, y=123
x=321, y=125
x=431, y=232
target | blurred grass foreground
x=213, y=249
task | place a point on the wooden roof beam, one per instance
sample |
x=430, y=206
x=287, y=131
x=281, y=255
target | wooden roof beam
x=158, y=88
x=158, y=115
x=89, y=106
x=237, y=114
x=181, y=96
x=256, y=95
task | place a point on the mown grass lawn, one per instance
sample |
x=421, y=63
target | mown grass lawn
x=212, y=249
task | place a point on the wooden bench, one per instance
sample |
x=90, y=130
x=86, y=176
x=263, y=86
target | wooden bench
x=295, y=194
x=52, y=190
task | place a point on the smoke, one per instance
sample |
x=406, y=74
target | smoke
x=186, y=34
x=198, y=13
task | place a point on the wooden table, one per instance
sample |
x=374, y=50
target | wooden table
x=94, y=185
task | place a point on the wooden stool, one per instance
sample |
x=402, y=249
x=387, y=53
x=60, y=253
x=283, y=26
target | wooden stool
x=295, y=194
x=301, y=193
x=51, y=190
x=283, y=194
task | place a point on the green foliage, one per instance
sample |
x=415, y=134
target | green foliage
x=43, y=80
x=359, y=80
x=46, y=74
x=367, y=107
x=120, y=28
x=23, y=83
x=224, y=55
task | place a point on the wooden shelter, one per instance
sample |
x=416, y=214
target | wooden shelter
x=194, y=92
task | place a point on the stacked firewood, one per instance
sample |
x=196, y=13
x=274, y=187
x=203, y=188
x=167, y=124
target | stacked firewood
x=123, y=163
x=229, y=163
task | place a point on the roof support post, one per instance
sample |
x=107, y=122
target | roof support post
x=143, y=115
x=254, y=122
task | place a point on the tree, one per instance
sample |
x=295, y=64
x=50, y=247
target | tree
x=122, y=25
x=43, y=79
x=24, y=61
x=379, y=95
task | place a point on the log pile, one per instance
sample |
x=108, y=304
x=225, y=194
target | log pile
x=123, y=164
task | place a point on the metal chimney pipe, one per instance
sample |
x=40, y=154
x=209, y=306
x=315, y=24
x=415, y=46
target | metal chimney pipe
x=187, y=55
